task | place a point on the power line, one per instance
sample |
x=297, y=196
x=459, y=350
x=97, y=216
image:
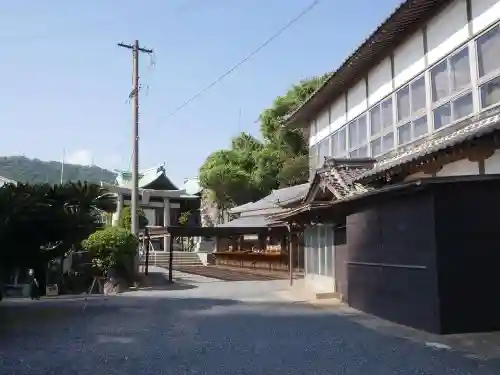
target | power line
x=268, y=41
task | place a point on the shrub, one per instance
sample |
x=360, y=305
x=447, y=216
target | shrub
x=111, y=248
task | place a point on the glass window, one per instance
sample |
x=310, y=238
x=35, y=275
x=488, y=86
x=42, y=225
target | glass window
x=388, y=142
x=462, y=106
x=381, y=117
x=387, y=115
x=490, y=93
x=342, y=139
x=376, y=147
x=420, y=127
x=451, y=75
x=403, y=103
x=460, y=69
x=375, y=120
x=442, y=116
x=353, y=154
x=334, y=144
x=439, y=79
x=362, y=130
x=488, y=46
x=404, y=133
x=417, y=88
x=358, y=132
x=353, y=134
x=324, y=151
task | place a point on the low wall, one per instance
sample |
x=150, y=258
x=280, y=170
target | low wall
x=252, y=260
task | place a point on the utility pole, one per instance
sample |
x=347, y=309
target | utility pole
x=134, y=96
x=62, y=165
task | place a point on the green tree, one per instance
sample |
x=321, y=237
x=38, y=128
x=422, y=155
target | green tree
x=39, y=223
x=230, y=174
x=294, y=171
x=125, y=219
x=112, y=248
x=250, y=169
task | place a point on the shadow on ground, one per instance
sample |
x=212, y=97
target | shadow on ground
x=161, y=334
x=159, y=281
x=226, y=273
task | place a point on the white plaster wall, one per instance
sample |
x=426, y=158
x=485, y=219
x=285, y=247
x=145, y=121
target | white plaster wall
x=492, y=164
x=409, y=59
x=323, y=120
x=338, y=114
x=416, y=176
x=462, y=167
x=484, y=13
x=356, y=100
x=447, y=31
x=379, y=82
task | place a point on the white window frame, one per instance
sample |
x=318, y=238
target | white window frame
x=335, y=138
x=481, y=81
x=453, y=96
x=384, y=130
x=359, y=146
x=414, y=115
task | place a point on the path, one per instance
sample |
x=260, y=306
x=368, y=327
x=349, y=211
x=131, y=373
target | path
x=207, y=327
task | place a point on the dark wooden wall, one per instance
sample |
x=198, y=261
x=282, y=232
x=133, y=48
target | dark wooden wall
x=468, y=239
x=391, y=262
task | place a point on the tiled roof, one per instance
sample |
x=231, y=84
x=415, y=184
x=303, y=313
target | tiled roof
x=146, y=177
x=477, y=127
x=277, y=199
x=403, y=22
x=339, y=176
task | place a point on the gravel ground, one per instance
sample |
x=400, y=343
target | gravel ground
x=209, y=328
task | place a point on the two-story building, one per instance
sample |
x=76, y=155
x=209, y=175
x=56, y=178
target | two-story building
x=419, y=98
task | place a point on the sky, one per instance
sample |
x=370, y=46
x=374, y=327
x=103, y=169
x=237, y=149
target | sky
x=66, y=82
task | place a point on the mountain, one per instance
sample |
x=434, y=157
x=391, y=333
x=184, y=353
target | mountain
x=22, y=169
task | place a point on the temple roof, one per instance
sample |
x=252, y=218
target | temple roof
x=335, y=181
x=153, y=178
x=5, y=180
x=338, y=177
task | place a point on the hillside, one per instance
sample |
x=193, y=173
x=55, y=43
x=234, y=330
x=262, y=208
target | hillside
x=22, y=169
